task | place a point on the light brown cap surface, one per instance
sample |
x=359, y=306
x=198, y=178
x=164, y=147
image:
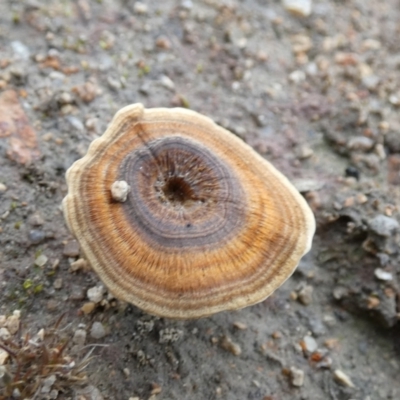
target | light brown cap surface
x=208, y=225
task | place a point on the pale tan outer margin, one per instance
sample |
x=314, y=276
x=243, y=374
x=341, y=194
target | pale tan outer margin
x=134, y=112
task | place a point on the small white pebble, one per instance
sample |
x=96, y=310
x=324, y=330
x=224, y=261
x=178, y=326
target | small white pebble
x=310, y=344
x=296, y=376
x=97, y=331
x=120, y=190
x=342, y=378
x=167, y=82
x=4, y=334
x=58, y=284
x=3, y=187
x=305, y=295
x=48, y=383
x=12, y=323
x=3, y=356
x=41, y=261
x=301, y=8
x=383, y=275
x=297, y=76
x=140, y=8
x=229, y=345
x=95, y=294
x=79, y=337
x=40, y=335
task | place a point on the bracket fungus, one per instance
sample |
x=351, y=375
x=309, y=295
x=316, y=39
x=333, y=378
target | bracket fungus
x=203, y=224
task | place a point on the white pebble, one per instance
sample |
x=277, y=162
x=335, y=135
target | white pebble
x=383, y=275
x=95, y=294
x=310, y=344
x=167, y=82
x=297, y=376
x=3, y=356
x=41, y=261
x=301, y=8
x=97, y=331
x=342, y=378
x=48, y=383
x=120, y=190
x=140, y=8
x=79, y=337
x=297, y=76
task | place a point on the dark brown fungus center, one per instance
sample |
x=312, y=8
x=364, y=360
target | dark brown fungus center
x=177, y=191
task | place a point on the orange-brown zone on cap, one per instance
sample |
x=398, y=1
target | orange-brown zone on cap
x=208, y=224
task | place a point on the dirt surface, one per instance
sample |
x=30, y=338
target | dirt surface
x=318, y=96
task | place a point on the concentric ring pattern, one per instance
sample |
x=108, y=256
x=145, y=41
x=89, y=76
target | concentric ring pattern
x=208, y=225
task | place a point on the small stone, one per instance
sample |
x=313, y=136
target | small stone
x=371, y=82
x=97, y=331
x=300, y=8
x=76, y=123
x=240, y=325
x=305, y=295
x=360, y=143
x=48, y=383
x=36, y=236
x=126, y=372
x=296, y=377
x=297, y=76
x=120, y=190
x=361, y=198
x=3, y=319
x=3, y=188
x=162, y=42
x=277, y=335
x=167, y=82
x=229, y=345
x=95, y=294
x=140, y=8
x=20, y=50
x=88, y=307
x=35, y=219
x=71, y=249
x=77, y=293
x=307, y=185
x=80, y=264
x=52, y=305
x=89, y=393
x=170, y=335
x=341, y=378
x=4, y=334
x=156, y=389
x=3, y=357
x=309, y=344
x=394, y=99
x=58, y=284
x=114, y=83
x=383, y=226
x=12, y=324
x=41, y=260
x=383, y=275
x=87, y=91
x=304, y=152
x=79, y=337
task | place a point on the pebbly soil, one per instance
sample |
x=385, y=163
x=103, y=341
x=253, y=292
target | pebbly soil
x=318, y=96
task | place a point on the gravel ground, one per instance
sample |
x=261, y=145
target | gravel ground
x=317, y=95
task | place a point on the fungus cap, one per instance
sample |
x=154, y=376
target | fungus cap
x=207, y=224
